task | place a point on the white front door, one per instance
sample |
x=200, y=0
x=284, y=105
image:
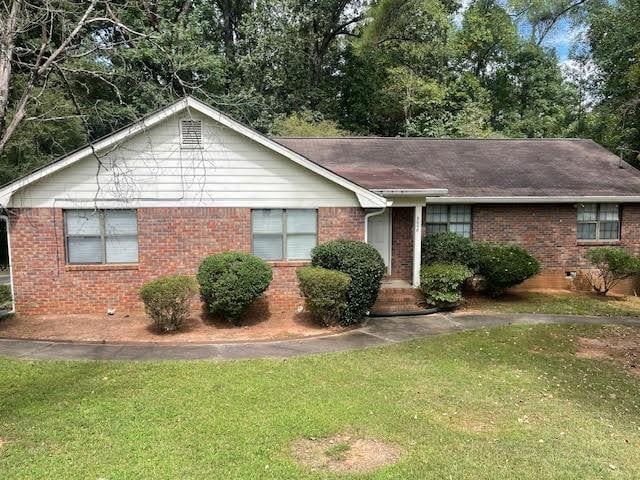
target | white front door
x=379, y=235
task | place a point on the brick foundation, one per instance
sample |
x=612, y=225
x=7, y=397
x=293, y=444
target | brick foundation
x=171, y=240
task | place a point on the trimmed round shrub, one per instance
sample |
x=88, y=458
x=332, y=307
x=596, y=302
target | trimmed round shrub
x=5, y=295
x=504, y=266
x=612, y=265
x=167, y=300
x=441, y=283
x=365, y=267
x=325, y=292
x=447, y=247
x=231, y=281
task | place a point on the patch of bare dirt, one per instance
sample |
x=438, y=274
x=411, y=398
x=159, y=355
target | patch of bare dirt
x=345, y=453
x=259, y=324
x=617, y=344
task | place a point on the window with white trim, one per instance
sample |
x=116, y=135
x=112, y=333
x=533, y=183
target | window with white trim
x=280, y=234
x=448, y=218
x=191, y=133
x=101, y=236
x=599, y=221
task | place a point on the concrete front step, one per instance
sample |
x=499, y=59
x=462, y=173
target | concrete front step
x=394, y=300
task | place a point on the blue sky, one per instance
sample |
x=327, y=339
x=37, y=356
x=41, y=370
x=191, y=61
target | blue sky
x=561, y=39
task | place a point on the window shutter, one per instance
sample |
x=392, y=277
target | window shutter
x=191, y=133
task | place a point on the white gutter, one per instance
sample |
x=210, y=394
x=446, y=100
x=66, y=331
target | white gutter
x=411, y=192
x=13, y=301
x=538, y=199
x=366, y=222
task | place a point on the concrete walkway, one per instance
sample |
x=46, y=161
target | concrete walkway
x=375, y=332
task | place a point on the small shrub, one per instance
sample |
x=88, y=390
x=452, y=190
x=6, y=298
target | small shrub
x=612, y=266
x=325, y=292
x=441, y=283
x=504, y=266
x=231, y=281
x=167, y=300
x=449, y=247
x=5, y=295
x=365, y=267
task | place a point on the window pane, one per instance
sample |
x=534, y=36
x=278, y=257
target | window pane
x=301, y=221
x=587, y=212
x=608, y=212
x=267, y=221
x=437, y=214
x=299, y=246
x=460, y=214
x=120, y=222
x=83, y=222
x=433, y=228
x=463, y=229
x=268, y=247
x=122, y=249
x=84, y=249
x=609, y=230
x=586, y=231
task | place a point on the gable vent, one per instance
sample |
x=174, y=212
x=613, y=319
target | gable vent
x=191, y=133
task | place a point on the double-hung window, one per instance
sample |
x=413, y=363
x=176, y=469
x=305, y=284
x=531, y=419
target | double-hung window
x=449, y=218
x=280, y=234
x=101, y=236
x=598, y=221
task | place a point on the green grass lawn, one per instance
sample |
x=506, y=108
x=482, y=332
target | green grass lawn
x=504, y=403
x=557, y=303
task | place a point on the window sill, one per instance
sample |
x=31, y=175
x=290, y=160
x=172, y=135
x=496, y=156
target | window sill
x=101, y=267
x=593, y=243
x=289, y=263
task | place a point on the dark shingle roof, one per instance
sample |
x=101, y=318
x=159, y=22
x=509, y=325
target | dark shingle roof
x=475, y=168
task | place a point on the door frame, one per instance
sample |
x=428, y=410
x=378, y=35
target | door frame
x=388, y=213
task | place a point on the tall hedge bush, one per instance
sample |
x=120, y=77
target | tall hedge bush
x=325, y=292
x=231, y=281
x=504, y=266
x=449, y=248
x=365, y=267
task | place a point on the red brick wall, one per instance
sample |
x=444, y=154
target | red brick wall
x=402, y=243
x=170, y=241
x=549, y=233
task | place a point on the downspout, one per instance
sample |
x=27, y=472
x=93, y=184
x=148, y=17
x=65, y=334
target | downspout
x=366, y=222
x=13, y=301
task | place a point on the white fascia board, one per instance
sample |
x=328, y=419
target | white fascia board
x=367, y=198
x=538, y=199
x=411, y=192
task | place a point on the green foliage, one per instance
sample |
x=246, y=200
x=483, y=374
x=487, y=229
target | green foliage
x=614, y=42
x=325, y=292
x=5, y=295
x=167, y=300
x=363, y=264
x=441, y=283
x=231, y=281
x=612, y=265
x=307, y=124
x=504, y=266
x=448, y=247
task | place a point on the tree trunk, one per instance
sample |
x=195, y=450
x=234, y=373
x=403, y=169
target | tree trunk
x=7, y=44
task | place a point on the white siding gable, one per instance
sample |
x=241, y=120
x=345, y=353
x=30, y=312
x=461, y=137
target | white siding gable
x=153, y=169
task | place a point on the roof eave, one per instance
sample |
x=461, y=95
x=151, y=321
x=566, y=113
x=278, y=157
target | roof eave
x=538, y=199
